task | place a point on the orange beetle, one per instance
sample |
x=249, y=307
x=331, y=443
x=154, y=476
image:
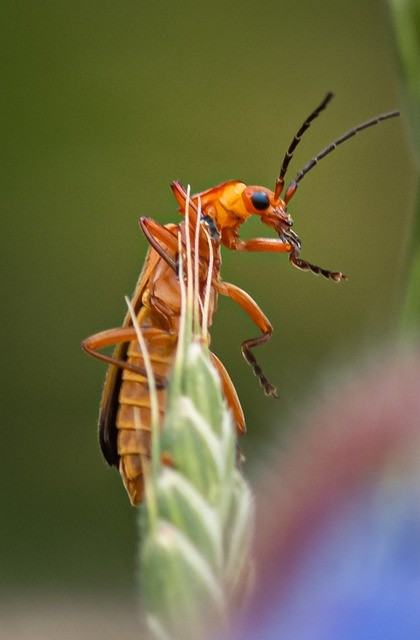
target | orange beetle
x=157, y=303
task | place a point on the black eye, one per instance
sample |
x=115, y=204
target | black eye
x=260, y=200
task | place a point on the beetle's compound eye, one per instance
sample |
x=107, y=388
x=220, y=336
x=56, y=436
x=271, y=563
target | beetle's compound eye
x=260, y=200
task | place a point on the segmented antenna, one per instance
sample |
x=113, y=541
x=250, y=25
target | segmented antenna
x=291, y=189
x=289, y=153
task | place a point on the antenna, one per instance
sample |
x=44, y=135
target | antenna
x=295, y=142
x=291, y=189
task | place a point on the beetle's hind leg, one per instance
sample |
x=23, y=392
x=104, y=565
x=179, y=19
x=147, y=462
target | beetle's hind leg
x=119, y=336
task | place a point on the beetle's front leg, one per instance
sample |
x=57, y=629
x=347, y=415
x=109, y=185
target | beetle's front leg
x=304, y=265
x=231, y=240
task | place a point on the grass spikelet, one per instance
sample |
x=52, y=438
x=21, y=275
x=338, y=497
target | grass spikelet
x=196, y=537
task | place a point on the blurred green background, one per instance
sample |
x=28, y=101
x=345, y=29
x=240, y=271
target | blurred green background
x=104, y=104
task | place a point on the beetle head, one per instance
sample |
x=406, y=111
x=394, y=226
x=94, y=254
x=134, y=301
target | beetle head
x=272, y=211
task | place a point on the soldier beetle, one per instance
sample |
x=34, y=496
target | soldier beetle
x=157, y=301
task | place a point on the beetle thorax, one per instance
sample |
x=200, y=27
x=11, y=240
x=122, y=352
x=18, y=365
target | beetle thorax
x=228, y=209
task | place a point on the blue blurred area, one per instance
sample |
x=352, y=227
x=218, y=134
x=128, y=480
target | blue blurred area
x=338, y=536
x=360, y=578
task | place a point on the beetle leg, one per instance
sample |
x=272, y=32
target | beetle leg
x=262, y=322
x=232, y=241
x=114, y=337
x=230, y=394
x=157, y=233
x=276, y=245
x=304, y=265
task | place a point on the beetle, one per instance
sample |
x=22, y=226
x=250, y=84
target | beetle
x=157, y=302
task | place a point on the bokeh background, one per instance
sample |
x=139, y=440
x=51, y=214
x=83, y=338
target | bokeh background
x=104, y=104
